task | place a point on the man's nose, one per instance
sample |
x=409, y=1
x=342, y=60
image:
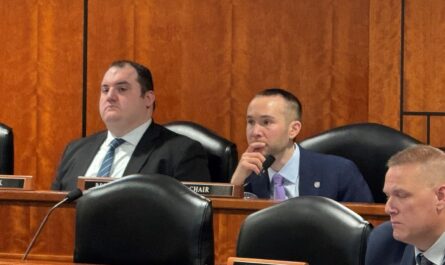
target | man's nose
x=111, y=93
x=389, y=208
x=257, y=129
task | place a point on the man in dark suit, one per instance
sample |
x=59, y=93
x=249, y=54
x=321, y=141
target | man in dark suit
x=273, y=122
x=382, y=248
x=415, y=186
x=133, y=143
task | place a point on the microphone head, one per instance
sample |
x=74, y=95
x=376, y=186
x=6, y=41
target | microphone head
x=268, y=162
x=73, y=195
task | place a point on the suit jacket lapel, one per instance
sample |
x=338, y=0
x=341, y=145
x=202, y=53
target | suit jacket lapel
x=143, y=150
x=259, y=184
x=408, y=256
x=87, y=154
x=306, y=175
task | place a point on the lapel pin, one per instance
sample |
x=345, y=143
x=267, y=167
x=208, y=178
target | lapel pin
x=317, y=184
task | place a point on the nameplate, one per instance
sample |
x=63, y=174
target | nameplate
x=210, y=189
x=207, y=189
x=16, y=182
x=253, y=261
x=86, y=183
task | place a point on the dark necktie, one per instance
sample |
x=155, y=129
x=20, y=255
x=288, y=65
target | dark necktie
x=421, y=260
x=107, y=163
x=278, y=188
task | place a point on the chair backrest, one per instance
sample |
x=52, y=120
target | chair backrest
x=144, y=219
x=311, y=229
x=6, y=150
x=368, y=145
x=222, y=153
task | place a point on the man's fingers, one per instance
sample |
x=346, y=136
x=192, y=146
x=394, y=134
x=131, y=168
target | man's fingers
x=256, y=147
x=252, y=161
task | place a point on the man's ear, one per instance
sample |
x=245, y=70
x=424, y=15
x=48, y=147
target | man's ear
x=150, y=98
x=440, y=193
x=294, y=129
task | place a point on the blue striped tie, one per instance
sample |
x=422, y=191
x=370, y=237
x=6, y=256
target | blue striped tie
x=105, y=168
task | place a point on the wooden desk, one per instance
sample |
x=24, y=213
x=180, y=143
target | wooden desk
x=22, y=211
x=35, y=262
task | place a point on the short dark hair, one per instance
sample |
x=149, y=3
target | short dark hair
x=419, y=153
x=431, y=159
x=144, y=78
x=288, y=96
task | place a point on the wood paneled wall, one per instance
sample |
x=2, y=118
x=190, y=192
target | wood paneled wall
x=348, y=61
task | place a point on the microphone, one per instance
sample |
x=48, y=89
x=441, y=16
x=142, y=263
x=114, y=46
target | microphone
x=71, y=196
x=267, y=163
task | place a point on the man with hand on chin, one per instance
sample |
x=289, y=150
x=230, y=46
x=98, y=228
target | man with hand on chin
x=273, y=122
x=133, y=142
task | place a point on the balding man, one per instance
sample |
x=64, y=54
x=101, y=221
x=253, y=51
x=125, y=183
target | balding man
x=273, y=122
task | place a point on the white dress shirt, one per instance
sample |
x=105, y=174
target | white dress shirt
x=122, y=154
x=435, y=253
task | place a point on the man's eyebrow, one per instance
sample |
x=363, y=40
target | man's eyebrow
x=397, y=190
x=122, y=83
x=261, y=117
x=117, y=83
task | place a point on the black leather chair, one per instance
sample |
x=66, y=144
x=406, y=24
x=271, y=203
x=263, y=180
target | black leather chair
x=222, y=153
x=144, y=219
x=311, y=229
x=368, y=145
x=6, y=150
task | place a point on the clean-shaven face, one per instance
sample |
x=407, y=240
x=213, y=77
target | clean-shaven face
x=411, y=205
x=268, y=121
x=121, y=104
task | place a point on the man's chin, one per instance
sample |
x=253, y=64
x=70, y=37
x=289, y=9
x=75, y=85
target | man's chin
x=111, y=118
x=399, y=235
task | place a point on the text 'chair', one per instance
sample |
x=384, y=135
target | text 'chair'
x=311, y=229
x=144, y=219
x=368, y=145
x=6, y=150
x=222, y=153
x=249, y=261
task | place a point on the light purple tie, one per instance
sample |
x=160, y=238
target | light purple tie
x=278, y=188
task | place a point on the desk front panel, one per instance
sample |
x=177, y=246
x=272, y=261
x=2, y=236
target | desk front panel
x=22, y=211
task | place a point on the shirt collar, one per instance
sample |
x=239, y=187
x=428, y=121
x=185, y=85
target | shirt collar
x=133, y=137
x=290, y=171
x=435, y=253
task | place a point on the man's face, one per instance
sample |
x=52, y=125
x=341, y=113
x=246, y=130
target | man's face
x=270, y=120
x=411, y=205
x=121, y=105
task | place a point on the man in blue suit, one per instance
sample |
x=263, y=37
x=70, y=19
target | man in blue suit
x=273, y=122
x=415, y=186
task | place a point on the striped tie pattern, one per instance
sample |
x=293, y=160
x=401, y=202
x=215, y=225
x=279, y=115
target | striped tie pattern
x=105, y=168
x=421, y=260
